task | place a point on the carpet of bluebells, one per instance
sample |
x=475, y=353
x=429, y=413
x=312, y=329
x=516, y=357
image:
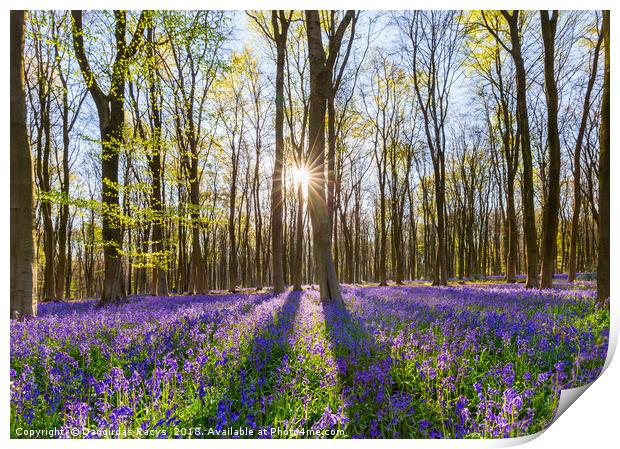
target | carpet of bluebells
x=464, y=361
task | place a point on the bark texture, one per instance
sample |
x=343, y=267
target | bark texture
x=23, y=302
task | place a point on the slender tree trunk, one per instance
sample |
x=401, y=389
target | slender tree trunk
x=441, y=262
x=280, y=26
x=357, y=270
x=69, y=259
x=232, y=241
x=299, y=241
x=258, y=243
x=159, y=283
x=43, y=174
x=552, y=203
x=197, y=266
x=513, y=238
x=61, y=268
x=523, y=129
x=383, y=234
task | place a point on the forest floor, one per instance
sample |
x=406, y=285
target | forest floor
x=484, y=359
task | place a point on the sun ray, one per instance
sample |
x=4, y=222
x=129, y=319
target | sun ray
x=300, y=178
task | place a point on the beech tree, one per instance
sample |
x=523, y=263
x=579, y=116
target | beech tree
x=280, y=22
x=320, y=88
x=111, y=111
x=276, y=31
x=23, y=301
x=159, y=282
x=523, y=130
x=552, y=204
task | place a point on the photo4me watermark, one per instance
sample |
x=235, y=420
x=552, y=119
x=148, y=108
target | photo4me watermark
x=186, y=432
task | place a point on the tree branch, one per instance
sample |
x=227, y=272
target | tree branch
x=78, y=45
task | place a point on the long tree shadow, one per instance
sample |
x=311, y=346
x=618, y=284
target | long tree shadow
x=252, y=385
x=364, y=366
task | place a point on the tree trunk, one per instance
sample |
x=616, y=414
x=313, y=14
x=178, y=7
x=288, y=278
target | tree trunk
x=299, y=242
x=319, y=87
x=159, y=283
x=197, y=266
x=277, y=198
x=258, y=243
x=61, y=268
x=602, y=275
x=232, y=241
x=23, y=302
x=69, y=269
x=523, y=129
x=111, y=112
x=441, y=261
x=383, y=235
x=552, y=203
x=111, y=135
x=513, y=243
x=43, y=175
